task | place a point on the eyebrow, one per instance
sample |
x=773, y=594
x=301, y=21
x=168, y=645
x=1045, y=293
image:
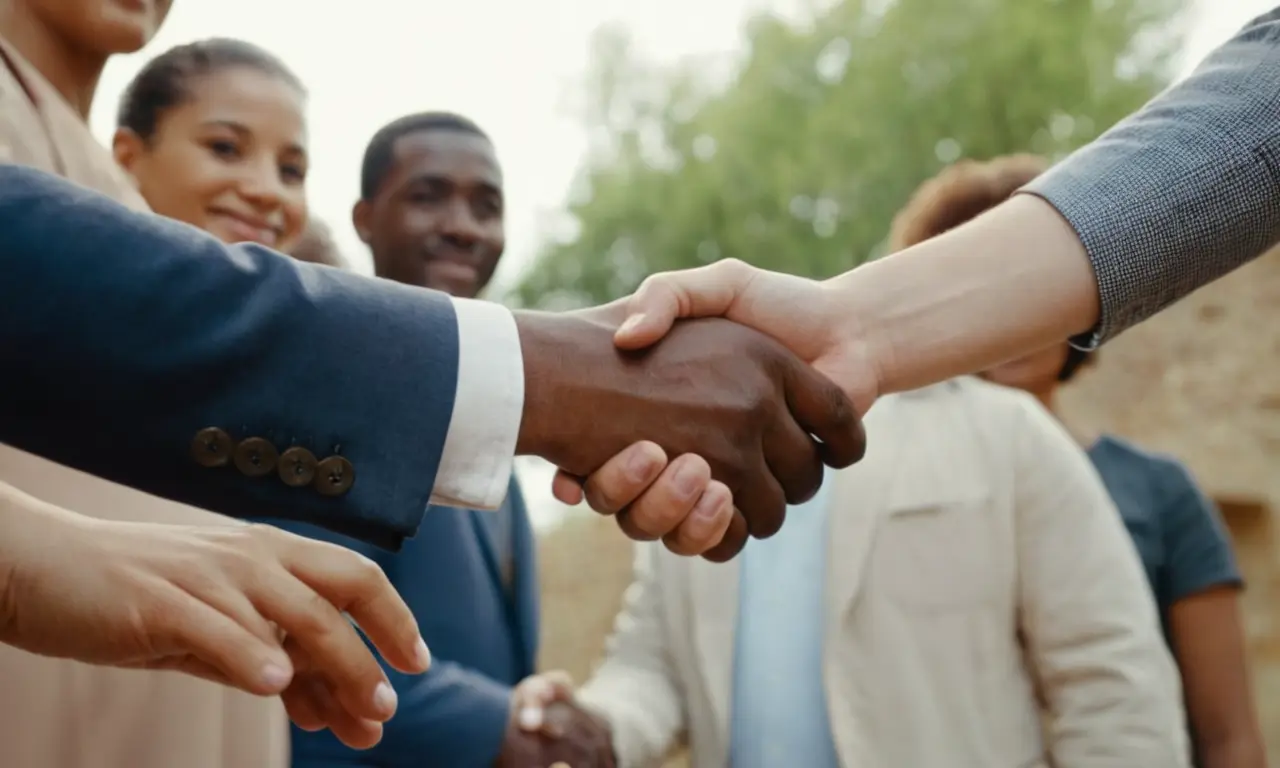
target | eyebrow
x=421, y=178
x=243, y=131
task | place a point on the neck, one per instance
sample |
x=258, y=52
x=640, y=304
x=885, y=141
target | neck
x=1047, y=399
x=72, y=71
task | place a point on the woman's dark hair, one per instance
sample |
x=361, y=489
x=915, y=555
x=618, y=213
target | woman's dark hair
x=165, y=81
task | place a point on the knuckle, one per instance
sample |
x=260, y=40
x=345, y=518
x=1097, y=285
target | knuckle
x=630, y=529
x=315, y=619
x=366, y=575
x=656, y=519
x=263, y=535
x=601, y=495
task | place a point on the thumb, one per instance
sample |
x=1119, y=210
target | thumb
x=663, y=298
x=533, y=695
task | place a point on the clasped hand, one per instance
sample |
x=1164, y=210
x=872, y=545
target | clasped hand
x=732, y=425
x=548, y=728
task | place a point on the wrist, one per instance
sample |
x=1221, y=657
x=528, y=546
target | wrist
x=28, y=526
x=858, y=328
x=555, y=348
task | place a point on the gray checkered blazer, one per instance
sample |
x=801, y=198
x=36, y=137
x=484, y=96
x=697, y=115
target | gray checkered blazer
x=1183, y=191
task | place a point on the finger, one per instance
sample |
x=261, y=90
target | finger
x=561, y=682
x=793, y=459
x=558, y=719
x=567, y=488
x=668, y=501
x=706, y=525
x=624, y=478
x=246, y=661
x=535, y=694
x=355, y=732
x=761, y=501
x=544, y=688
x=823, y=410
x=357, y=585
x=237, y=606
x=188, y=665
x=300, y=697
x=735, y=538
x=302, y=708
x=331, y=642
x=667, y=296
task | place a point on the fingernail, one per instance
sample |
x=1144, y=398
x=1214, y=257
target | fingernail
x=630, y=324
x=641, y=465
x=385, y=699
x=688, y=479
x=276, y=677
x=530, y=718
x=422, y=654
x=707, y=509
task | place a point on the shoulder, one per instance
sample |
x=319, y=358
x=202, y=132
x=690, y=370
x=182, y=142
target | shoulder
x=984, y=407
x=1166, y=478
x=965, y=392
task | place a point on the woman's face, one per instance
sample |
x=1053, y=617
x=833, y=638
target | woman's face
x=104, y=27
x=231, y=159
x=1036, y=373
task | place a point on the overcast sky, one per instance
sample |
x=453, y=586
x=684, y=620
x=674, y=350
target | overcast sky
x=508, y=64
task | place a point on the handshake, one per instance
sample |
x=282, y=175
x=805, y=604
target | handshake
x=718, y=399
x=549, y=729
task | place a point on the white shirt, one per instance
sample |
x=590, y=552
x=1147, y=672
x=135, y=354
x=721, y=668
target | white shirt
x=479, y=449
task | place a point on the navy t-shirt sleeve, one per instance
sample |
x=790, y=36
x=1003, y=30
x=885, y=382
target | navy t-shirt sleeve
x=1199, y=555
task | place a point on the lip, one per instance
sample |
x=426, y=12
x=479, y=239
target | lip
x=248, y=228
x=454, y=271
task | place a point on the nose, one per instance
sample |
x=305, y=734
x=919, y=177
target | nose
x=460, y=224
x=262, y=186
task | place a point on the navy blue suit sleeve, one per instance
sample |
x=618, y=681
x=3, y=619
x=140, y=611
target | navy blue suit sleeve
x=451, y=715
x=1198, y=549
x=124, y=334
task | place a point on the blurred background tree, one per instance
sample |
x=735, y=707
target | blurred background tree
x=799, y=161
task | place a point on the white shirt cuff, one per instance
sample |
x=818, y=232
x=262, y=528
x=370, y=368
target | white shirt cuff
x=476, y=464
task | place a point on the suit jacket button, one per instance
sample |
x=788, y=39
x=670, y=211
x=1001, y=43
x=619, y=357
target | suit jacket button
x=297, y=467
x=256, y=457
x=211, y=447
x=334, y=476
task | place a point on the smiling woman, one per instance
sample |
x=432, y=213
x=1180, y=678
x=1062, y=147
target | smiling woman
x=214, y=135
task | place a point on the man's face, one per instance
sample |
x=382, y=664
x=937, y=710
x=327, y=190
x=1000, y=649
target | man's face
x=436, y=220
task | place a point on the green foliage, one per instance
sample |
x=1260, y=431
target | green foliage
x=799, y=162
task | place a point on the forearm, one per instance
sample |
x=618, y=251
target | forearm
x=1244, y=750
x=124, y=335
x=1014, y=280
x=1170, y=199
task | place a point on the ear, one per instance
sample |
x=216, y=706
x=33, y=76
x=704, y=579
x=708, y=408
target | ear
x=128, y=148
x=360, y=215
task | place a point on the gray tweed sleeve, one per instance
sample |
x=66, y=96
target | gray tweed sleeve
x=1183, y=191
